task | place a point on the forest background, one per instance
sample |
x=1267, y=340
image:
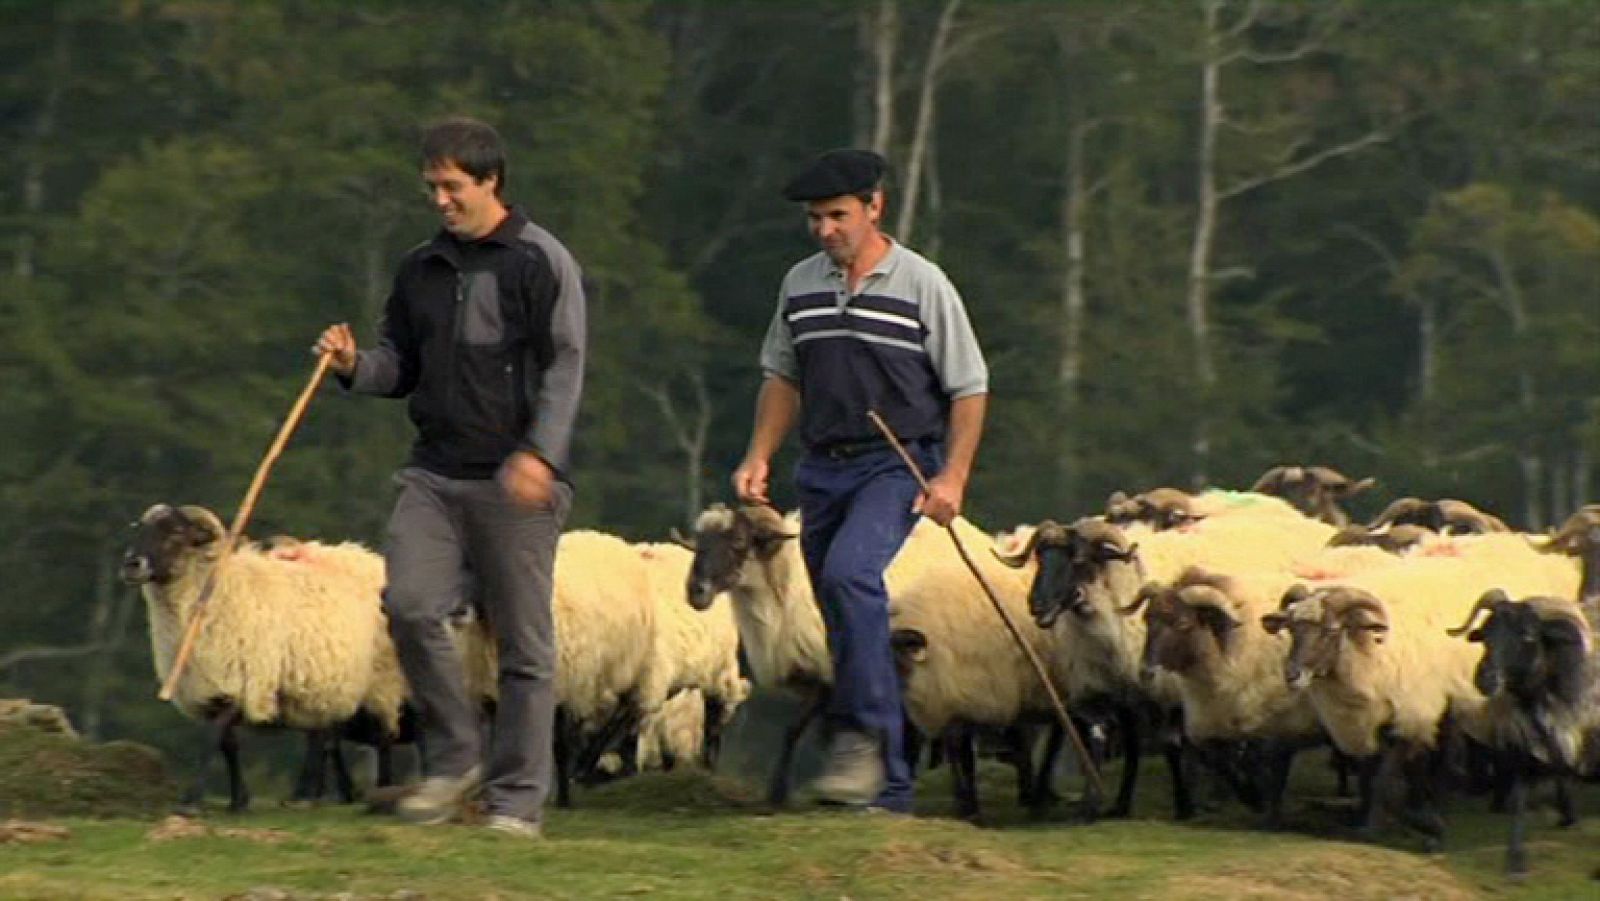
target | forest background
x=1196, y=239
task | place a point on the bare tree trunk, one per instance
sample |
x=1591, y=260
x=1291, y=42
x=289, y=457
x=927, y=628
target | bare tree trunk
x=1199, y=279
x=1069, y=366
x=927, y=95
x=1559, y=491
x=44, y=129
x=1428, y=349
x=691, y=434
x=885, y=37
x=931, y=247
x=1582, y=467
x=107, y=626
x=1528, y=459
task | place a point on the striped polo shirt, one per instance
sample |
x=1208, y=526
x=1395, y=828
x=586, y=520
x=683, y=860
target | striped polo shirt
x=902, y=344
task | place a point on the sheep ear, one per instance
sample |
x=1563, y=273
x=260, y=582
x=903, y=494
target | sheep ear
x=1274, y=623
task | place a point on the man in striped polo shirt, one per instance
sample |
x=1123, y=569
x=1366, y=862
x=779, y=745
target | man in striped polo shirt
x=866, y=324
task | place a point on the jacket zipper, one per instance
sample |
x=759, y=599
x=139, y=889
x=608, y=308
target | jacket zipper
x=452, y=391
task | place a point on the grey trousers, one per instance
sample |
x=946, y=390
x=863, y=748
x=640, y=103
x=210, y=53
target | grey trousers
x=442, y=529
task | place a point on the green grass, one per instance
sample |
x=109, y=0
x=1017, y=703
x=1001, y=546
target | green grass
x=689, y=835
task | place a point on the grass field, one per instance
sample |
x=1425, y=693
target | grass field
x=690, y=835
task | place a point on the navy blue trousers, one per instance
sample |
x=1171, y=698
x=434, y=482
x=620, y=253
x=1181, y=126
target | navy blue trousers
x=855, y=515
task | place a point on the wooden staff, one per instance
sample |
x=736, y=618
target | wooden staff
x=1090, y=771
x=246, y=507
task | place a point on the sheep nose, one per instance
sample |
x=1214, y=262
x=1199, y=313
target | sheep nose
x=135, y=568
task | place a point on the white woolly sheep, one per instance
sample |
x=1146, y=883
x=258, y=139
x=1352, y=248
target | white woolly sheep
x=283, y=643
x=1372, y=653
x=694, y=650
x=1092, y=569
x=605, y=622
x=962, y=669
x=751, y=553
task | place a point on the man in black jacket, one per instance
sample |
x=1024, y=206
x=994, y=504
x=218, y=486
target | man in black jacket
x=483, y=332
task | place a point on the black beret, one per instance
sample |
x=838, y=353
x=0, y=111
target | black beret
x=836, y=173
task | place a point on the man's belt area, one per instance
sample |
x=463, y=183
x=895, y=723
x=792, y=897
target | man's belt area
x=846, y=450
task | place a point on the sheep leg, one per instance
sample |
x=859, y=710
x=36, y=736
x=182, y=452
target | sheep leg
x=1366, y=821
x=238, y=794
x=341, y=772
x=711, y=734
x=1044, y=795
x=1421, y=812
x=1516, y=846
x=912, y=742
x=1341, y=772
x=385, y=753
x=778, y=785
x=1280, y=759
x=1564, y=803
x=309, y=785
x=1132, y=744
x=1020, y=740
x=564, y=742
x=959, y=747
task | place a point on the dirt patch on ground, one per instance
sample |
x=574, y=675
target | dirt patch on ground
x=45, y=775
x=175, y=827
x=24, y=833
x=1343, y=872
x=927, y=859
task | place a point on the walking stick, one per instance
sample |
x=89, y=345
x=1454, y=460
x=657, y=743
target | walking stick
x=246, y=507
x=1090, y=771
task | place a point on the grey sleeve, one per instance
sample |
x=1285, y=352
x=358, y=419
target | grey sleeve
x=952, y=345
x=390, y=368
x=777, y=350
x=555, y=408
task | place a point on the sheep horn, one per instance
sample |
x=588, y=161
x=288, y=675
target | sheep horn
x=1486, y=602
x=1296, y=593
x=1565, y=540
x=1150, y=590
x=1270, y=480
x=678, y=539
x=1209, y=596
x=1019, y=559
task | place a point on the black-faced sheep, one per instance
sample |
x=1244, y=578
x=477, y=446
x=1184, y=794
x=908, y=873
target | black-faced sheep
x=1315, y=491
x=1540, y=672
x=283, y=643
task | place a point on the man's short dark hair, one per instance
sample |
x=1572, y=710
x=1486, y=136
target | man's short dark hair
x=474, y=147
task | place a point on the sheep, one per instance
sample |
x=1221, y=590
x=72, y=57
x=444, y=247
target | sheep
x=1391, y=538
x=1314, y=490
x=1579, y=537
x=386, y=717
x=962, y=670
x=1457, y=517
x=1228, y=672
x=1371, y=653
x=605, y=621
x=750, y=553
x=696, y=650
x=283, y=644
x=1540, y=672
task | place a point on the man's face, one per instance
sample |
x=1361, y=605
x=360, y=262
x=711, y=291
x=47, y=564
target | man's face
x=469, y=208
x=843, y=225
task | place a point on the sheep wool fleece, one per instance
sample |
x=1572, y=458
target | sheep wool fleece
x=441, y=528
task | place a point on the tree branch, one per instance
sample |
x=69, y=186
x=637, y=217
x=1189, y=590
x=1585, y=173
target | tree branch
x=23, y=655
x=1306, y=164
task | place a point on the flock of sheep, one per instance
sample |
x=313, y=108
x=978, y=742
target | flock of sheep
x=1232, y=629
